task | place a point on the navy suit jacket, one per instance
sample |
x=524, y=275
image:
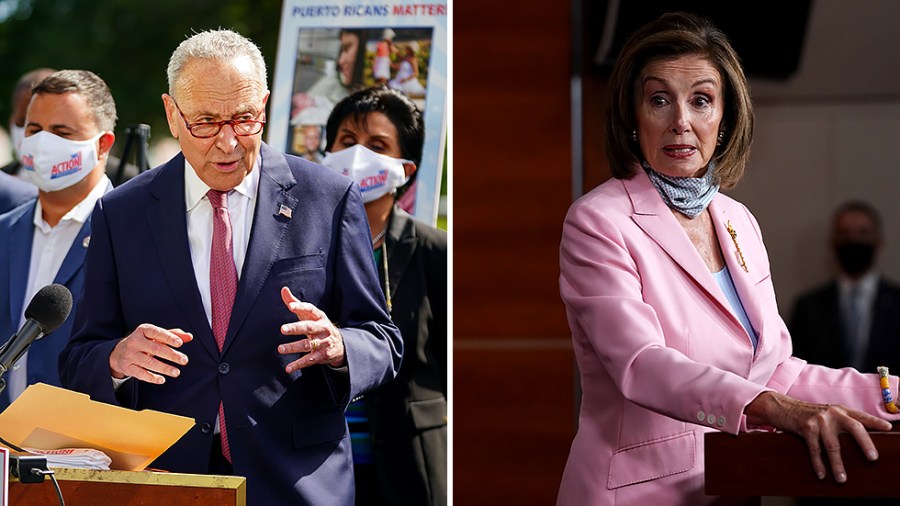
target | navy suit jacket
x=817, y=330
x=16, y=235
x=286, y=432
x=14, y=192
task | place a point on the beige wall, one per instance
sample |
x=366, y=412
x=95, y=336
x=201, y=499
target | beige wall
x=807, y=159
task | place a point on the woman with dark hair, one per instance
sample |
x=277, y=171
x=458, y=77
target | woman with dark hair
x=669, y=296
x=399, y=431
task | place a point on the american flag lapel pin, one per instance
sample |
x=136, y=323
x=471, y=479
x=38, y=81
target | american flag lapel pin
x=285, y=211
x=737, y=246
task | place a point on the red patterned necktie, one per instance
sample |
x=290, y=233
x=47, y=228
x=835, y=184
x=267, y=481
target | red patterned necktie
x=222, y=284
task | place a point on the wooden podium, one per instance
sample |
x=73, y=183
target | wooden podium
x=778, y=464
x=82, y=487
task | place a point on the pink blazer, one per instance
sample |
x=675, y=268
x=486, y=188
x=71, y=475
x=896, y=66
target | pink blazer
x=662, y=356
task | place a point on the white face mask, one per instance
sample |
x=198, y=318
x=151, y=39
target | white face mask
x=53, y=163
x=17, y=133
x=375, y=174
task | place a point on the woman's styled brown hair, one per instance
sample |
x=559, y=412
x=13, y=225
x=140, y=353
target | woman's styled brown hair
x=671, y=36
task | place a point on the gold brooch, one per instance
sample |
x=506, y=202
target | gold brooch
x=736, y=245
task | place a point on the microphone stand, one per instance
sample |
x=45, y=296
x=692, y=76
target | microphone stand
x=13, y=349
x=3, y=369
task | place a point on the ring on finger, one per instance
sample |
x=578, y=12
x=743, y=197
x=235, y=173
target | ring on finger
x=313, y=345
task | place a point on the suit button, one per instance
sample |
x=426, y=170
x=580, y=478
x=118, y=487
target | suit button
x=224, y=368
x=711, y=419
x=205, y=428
x=721, y=421
x=701, y=416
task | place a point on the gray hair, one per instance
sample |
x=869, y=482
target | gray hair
x=219, y=44
x=87, y=84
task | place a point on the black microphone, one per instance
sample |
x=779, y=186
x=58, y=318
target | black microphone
x=47, y=310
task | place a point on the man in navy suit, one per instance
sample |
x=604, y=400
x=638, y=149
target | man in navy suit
x=14, y=192
x=231, y=219
x=68, y=135
x=853, y=320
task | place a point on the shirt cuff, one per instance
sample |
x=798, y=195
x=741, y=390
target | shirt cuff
x=117, y=383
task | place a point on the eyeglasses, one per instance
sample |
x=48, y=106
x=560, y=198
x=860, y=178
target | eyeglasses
x=207, y=129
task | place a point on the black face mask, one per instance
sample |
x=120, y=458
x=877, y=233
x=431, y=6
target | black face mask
x=855, y=257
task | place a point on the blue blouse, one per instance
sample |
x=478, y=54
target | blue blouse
x=723, y=277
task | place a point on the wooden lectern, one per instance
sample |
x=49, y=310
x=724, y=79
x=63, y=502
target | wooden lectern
x=778, y=464
x=83, y=487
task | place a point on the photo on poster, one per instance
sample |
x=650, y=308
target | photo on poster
x=333, y=48
x=332, y=63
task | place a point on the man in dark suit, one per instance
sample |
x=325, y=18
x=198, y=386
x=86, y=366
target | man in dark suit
x=68, y=135
x=400, y=429
x=235, y=285
x=854, y=320
x=14, y=192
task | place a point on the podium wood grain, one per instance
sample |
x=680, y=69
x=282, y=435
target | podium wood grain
x=778, y=464
x=126, y=488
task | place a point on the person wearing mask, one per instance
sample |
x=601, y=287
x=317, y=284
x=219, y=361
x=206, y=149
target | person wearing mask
x=68, y=134
x=853, y=320
x=21, y=97
x=669, y=296
x=20, y=100
x=399, y=430
x=235, y=285
x=15, y=191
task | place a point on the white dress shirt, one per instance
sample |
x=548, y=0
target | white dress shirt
x=49, y=247
x=241, y=206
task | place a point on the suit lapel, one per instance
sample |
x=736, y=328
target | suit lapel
x=21, y=235
x=658, y=222
x=740, y=254
x=75, y=257
x=275, y=207
x=401, y=247
x=168, y=224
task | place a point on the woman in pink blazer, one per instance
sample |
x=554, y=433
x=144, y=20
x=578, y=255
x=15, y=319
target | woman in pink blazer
x=669, y=295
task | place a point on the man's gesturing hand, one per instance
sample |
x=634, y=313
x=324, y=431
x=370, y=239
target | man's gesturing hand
x=323, y=342
x=148, y=354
